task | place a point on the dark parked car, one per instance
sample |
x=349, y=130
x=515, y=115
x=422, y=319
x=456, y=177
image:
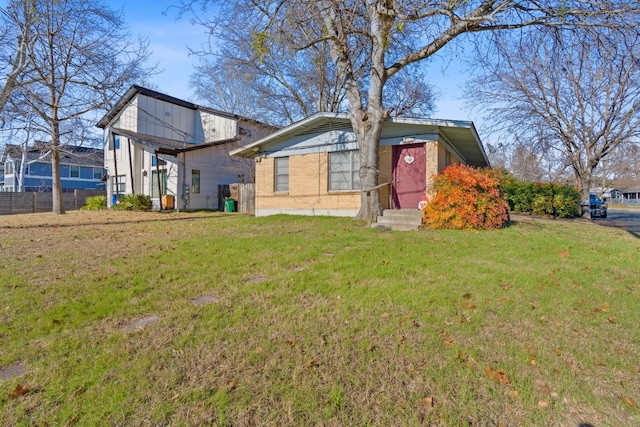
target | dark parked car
x=597, y=207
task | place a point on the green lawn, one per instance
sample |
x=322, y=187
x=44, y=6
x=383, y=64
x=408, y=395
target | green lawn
x=317, y=321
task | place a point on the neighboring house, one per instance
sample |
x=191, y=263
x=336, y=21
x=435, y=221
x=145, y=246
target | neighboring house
x=622, y=196
x=311, y=167
x=81, y=168
x=632, y=193
x=175, y=151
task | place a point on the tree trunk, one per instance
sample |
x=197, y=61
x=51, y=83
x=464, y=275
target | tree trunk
x=23, y=167
x=584, y=181
x=368, y=132
x=56, y=183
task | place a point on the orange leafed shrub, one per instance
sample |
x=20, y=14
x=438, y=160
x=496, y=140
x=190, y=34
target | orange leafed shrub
x=466, y=198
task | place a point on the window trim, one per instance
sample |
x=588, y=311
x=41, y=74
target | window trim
x=122, y=183
x=353, y=155
x=71, y=168
x=195, y=186
x=277, y=174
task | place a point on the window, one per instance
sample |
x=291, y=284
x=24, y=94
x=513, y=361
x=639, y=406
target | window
x=282, y=174
x=8, y=168
x=122, y=184
x=97, y=173
x=75, y=171
x=27, y=169
x=154, y=183
x=344, y=167
x=195, y=181
x=116, y=142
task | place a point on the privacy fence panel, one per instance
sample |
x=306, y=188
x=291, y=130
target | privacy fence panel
x=33, y=202
x=246, y=199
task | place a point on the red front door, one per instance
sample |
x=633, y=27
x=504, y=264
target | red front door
x=409, y=175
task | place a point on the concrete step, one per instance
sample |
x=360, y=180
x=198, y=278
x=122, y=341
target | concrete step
x=400, y=219
x=403, y=213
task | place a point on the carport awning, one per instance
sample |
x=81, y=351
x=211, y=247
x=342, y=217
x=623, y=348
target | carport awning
x=165, y=145
x=151, y=142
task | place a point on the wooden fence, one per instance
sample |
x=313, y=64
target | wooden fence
x=32, y=202
x=245, y=197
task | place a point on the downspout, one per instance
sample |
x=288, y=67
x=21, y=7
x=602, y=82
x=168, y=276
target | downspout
x=159, y=183
x=115, y=165
x=184, y=181
x=133, y=187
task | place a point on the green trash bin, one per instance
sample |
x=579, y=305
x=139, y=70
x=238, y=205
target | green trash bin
x=229, y=205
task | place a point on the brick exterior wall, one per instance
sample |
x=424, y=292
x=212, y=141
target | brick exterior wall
x=308, y=189
x=437, y=158
x=308, y=184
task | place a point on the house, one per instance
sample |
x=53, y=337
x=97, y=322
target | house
x=175, y=151
x=624, y=196
x=311, y=167
x=81, y=168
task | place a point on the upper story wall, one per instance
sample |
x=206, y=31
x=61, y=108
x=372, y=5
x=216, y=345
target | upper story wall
x=156, y=117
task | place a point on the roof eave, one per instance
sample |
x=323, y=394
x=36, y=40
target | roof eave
x=252, y=149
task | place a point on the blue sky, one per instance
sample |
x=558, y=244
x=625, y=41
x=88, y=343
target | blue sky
x=170, y=39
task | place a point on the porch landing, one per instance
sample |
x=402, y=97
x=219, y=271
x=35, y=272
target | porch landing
x=400, y=219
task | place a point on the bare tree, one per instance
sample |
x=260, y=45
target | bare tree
x=622, y=167
x=17, y=20
x=573, y=92
x=382, y=38
x=287, y=85
x=80, y=57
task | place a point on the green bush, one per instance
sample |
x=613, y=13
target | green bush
x=134, y=202
x=95, y=203
x=558, y=200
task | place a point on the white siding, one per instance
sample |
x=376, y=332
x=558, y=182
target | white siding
x=216, y=168
x=214, y=128
x=164, y=119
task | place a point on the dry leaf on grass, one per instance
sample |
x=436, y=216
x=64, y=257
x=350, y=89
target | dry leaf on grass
x=465, y=357
x=312, y=364
x=628, y=401
x=498, y=375
x=542, y=404
x=468, y=305
x=20, y=390
x=427, y=402
x=602, y=309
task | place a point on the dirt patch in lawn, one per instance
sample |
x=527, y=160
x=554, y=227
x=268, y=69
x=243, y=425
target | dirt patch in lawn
x=97, y=233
